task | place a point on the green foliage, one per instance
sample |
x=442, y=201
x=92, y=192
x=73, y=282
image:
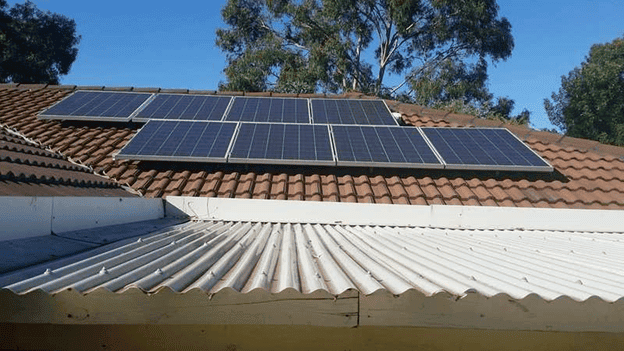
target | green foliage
x=311, y=45
x=590, y=102
x=501, y=110
x=35, y=46
x=452, y=80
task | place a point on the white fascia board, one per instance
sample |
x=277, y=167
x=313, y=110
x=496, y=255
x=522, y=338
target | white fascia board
x=442, y=216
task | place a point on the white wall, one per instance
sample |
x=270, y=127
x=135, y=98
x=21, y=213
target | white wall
x=24, y=216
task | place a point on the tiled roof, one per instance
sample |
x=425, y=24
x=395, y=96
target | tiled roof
x=28, y=169
x=587, y=174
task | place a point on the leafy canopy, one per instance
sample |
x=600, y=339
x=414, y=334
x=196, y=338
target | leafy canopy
x=35, y=46
x=590, y=102
x=303, y=46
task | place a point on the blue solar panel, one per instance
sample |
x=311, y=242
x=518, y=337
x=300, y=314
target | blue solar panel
x=383, y=146
x=282, y=143
x=361, y=112
x=161, y=140
x=184, y=107
x=97, y=106
x=275, y=110
x=484, y=149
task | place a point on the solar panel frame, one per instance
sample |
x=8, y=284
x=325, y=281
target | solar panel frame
x=129, y=109
x=173, y=132
x=450, y=153
x=236, y=112
x=155, y=107
x=396, y=155
x=255, y=154
x=341, y=111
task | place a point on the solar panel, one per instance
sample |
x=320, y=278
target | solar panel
x=303, y=144
x=361, y=112
x=484, y=149
x=161, y=140
x=276, y=110
x=184, y=107
x=383, y=146
x=97, y=106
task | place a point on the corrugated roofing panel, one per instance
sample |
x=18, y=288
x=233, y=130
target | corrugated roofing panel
x=306, y=257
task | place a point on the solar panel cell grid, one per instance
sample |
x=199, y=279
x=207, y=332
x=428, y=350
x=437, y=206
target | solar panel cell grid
x=185, y=107
x=275, y=110
x=181, y=141
x=383, y=146
x=93, y=105
x=282, y=143
x=489, y=149
x=360, y=112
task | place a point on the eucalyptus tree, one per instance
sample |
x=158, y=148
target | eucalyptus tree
x=342, y=45
x=590, y=102
x=35, y=46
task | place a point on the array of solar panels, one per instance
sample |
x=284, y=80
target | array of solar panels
x=323, y=132
x=143, y=107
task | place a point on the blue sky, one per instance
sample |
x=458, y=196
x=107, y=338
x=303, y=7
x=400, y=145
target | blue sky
x=171, y=44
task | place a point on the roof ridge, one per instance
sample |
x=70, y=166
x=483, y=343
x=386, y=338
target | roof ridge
x=346, y=95
x=10, y=175
x=47, y=151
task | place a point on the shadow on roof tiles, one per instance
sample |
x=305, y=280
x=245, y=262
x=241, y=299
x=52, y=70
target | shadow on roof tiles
x=351, y=171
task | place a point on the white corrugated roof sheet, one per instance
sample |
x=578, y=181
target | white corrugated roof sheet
x=308, y=257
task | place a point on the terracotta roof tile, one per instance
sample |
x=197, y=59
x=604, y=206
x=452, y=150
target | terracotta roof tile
x=296, y=187
x=588, y=174
x=178, y=181
x=380, y=190
x=414, y=192
x=329, y=186
x=244, y=189
x=159, y=184
x=480, y=190
x=262, y=187
x=279, y=187
x=129, y=176
x=26, y=167
x=346, y=189
x=228, y=185
x=445, y=188
x=363, y=189
x=212, y=184
x=313, y=188
x=144, y=181
x=430, y=189
x=397, y=190
x=499, y=193
x=194, y=184
x=470, y=202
